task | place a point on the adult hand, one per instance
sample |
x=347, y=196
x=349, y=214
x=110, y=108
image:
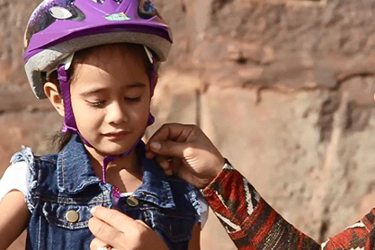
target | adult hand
x=186, y=151
x=113, y=228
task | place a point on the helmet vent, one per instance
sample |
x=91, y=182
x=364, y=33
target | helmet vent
x=59, y=12
x=146, y=9
x=98, y=1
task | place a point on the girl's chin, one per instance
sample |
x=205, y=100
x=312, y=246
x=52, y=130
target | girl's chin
x=112, y=150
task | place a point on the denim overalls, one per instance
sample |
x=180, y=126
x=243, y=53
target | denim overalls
x=64, y=187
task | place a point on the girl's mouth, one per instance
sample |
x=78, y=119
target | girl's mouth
x=116, y=134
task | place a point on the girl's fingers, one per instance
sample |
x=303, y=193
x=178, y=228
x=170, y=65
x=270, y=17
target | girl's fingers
x=108, y=224
x=96, y=243
x=105, y=233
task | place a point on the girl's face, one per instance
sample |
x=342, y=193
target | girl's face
x=110, y=96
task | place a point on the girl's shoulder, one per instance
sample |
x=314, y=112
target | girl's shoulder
x=32, y=171
x=38, y=167
x=26, y=155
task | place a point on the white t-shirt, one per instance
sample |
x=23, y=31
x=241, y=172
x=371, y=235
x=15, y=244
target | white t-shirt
x=16, y=177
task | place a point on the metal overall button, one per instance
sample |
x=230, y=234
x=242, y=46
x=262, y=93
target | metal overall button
x=72, y=216
x=132, y=201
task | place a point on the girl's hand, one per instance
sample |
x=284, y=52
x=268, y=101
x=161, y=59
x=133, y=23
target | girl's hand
x=117, y=230
x=186, y=151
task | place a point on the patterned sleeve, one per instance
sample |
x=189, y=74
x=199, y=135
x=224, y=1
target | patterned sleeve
x=252, y=224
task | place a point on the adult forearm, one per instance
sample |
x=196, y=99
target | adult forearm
x=248, y=219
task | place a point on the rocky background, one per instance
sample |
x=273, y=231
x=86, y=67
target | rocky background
x=283, y=88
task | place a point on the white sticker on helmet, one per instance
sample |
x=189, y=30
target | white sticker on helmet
x=60, y=12
x=121, y=16
x=149, y=55
x=68, y=61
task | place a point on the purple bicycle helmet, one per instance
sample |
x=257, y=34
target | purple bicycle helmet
x=58, y=28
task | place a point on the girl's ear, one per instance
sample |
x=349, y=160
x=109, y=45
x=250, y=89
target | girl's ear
x=52, y=92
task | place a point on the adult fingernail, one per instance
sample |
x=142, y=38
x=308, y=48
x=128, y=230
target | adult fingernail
x=155, y=145
x=92, y=210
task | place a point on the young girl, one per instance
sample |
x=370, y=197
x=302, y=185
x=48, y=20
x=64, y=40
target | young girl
x=96, y=61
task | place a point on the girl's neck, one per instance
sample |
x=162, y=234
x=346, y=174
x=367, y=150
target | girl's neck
x=125, y=172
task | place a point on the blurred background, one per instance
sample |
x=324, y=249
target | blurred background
x=284, y=89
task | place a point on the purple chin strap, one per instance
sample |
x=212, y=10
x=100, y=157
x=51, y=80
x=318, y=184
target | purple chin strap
x=70, y=123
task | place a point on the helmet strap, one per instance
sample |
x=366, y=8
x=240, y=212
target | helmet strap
x=151, y=118
x=64, y=79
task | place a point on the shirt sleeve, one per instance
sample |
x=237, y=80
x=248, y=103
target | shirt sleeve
x=203, y=210
x=253, y=224
x=15, y=177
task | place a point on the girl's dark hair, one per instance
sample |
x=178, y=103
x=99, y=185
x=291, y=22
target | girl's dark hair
x=60, y=139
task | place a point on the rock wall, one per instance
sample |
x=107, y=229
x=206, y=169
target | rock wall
x=284, y=88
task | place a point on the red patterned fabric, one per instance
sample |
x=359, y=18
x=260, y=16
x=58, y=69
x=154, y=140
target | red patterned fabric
x=254, y=225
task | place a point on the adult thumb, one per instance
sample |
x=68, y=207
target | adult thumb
x=169, y=148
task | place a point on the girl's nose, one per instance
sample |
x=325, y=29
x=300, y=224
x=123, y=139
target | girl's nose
x=116, y=114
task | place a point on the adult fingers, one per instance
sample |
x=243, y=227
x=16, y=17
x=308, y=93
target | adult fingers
x=164, y=163
x=171, y=148
x=173, y=131
x=170, y=132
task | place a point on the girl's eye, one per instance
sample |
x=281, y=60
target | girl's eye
x=133, y=99
x=96, y=104
x=146, y=9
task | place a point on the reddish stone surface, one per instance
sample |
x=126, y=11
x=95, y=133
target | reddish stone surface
x=284, y=89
